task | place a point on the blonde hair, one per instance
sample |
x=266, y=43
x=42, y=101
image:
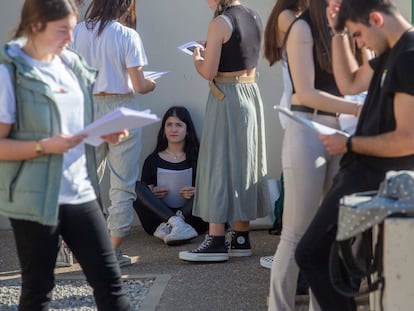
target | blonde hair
x=222, y=6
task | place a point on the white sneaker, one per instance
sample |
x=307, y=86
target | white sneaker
x=181, y=231
x=266, y=262
x=162, y=230
x=64, y=257
x=123, y=260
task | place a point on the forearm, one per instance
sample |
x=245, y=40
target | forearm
x=387, y=145
x=321, y=100
x=14, y=150
x=344, y=64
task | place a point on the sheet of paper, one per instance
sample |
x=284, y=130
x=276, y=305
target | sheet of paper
x=174, y=181
x=115, y=121
x=154, y=75
x=320, y=128
x=189, y=47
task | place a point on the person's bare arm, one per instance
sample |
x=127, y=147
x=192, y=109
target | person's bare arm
x=397, y=143
x=207, y=65
x=17, y=150
x=302, y=69
x=139, y=82
x=351, y=77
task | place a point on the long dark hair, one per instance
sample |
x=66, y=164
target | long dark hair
x=104, y=11
x=272, y=49
x=191, y=144
x=322, y=36
x=43, y=12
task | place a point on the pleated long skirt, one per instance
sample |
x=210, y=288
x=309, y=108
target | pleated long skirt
x=231, y=170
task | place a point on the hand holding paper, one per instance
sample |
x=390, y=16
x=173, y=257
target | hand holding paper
x=320, y=128
x=189, y=47
x=116, y=121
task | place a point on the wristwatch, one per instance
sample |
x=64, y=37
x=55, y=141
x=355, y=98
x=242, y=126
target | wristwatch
x=39, y=149
x=349, y=144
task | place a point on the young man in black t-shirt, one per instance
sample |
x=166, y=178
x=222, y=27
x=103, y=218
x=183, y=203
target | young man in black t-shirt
x=384, y=138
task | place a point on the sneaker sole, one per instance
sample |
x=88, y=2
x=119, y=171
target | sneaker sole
x=189, y=256
x=240, y=252
x=266, y=265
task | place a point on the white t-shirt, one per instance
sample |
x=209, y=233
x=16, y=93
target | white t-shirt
x=116, y=49
x=75, y=187
x=286, y=99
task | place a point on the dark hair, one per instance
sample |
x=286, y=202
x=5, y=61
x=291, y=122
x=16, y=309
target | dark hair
x=43, y=12
x=358, y=11
x=104, y=11
x=322, y=34
x=191, y=144
x=272, y=50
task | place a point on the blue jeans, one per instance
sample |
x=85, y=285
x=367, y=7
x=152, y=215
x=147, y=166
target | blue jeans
x=123, y=161
x=84, y=230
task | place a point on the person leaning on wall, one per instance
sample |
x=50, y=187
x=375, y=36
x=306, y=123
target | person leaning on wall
x=176, y=152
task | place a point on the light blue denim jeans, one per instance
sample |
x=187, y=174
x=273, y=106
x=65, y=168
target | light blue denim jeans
x=123, y=160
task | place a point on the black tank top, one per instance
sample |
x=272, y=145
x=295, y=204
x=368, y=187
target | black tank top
x=324, y=80
x=242, y=50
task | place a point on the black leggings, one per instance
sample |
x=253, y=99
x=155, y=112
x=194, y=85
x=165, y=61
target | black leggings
x=153, y=211
x=84, y=230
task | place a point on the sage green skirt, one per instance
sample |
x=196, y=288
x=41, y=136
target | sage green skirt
x=231, y=169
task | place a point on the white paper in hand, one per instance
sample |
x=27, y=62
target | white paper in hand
x=174, y=181
x=154, y=75
x=189, y=47
x=115, y=121
x=320, y=128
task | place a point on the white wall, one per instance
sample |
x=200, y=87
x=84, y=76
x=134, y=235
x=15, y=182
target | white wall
x=163, y=26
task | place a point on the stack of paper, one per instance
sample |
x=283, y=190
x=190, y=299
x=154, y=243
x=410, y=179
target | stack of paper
x=116, y=121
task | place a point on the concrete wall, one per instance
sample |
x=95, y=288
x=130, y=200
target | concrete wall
x=163, y=26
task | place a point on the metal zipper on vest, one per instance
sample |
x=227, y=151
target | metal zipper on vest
x=13, y=182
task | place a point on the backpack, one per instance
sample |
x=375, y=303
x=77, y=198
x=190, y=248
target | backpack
x=357, y=218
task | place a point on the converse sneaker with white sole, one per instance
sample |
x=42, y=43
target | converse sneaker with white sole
x=240, y=244
x=266, y=262
x=180, y=233
x=213, y=248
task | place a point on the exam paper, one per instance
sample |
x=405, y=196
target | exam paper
x=189, y=47
x=320, y=128
x=154, y=75
x=115, y=121
x=174, y=181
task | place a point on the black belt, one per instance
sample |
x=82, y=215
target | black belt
x=302, y=108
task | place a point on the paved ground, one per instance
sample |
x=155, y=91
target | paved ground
x=237, y=285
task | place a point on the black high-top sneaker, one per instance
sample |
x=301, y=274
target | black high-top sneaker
x=213, y=248
x=240, y=244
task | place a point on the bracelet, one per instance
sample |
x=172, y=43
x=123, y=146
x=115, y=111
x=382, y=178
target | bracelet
x=349, y=144
x=39, y=149
x=340, y=34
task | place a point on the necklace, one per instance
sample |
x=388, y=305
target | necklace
x=174, y=155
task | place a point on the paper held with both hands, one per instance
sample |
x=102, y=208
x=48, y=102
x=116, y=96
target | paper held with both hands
x=174, y=181
x=154, y=75
x=320, y=128
x=189, y=47
x=115, y=121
